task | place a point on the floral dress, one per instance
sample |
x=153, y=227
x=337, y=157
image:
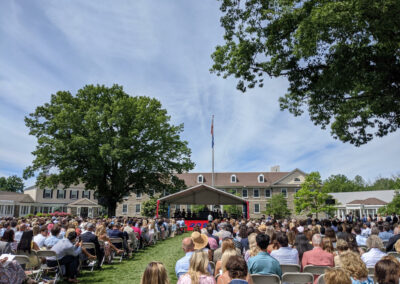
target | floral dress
x=12, y=273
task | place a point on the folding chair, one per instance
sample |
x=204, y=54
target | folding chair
x=395, y=254
x=315, y=269
x=117, y=241
x=262, y=279
x=290, y=268
x=297, y=277
x=44, y=268
x=371, y=270
x=91, y=247
x=321, y=279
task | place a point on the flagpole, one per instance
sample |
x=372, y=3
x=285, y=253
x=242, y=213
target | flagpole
x=212, y=132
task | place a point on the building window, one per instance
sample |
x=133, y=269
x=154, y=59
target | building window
x=267, y=193
x=73, y=194
x=137, y=208
x=86, y=194
x=296, y=179
x=200, y=179
x=244, y=193
x=261, y=178
x=124, y=208
x=138, y=195
x=47, y=193
x=256, y=193
x=256, y=208
x=233, y=179
x=61, y=193
x=297, y=190
x=24, y=210
x=284, y=192
x=177, y=207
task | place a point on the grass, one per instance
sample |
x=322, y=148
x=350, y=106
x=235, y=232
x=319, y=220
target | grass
x=130, y=271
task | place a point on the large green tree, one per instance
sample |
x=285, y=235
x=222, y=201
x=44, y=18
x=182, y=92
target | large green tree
x=341, y=58
x=11, y=183
x=339, y=183
x=393, y=206
x=277, y=207
x=109, y=141
x=312, y=197
x=149, y=208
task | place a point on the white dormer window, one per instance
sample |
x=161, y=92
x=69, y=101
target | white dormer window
x=200, y=179
x=233, y=179
x=261, y=178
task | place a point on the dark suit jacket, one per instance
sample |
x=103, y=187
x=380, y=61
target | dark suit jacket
x=391, y=242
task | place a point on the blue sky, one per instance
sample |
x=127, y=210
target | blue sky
x=161, y=49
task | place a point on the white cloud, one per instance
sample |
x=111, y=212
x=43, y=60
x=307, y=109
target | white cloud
x=162, y=50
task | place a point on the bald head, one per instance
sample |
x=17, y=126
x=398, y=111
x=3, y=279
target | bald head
x=187, y=244
x=316, y=240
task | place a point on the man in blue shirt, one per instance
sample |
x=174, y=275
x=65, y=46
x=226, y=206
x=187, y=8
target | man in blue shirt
x=182, y=265
x=263, y=263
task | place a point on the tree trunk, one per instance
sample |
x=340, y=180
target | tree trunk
x=111, y=208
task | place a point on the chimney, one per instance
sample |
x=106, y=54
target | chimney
x=275, y=169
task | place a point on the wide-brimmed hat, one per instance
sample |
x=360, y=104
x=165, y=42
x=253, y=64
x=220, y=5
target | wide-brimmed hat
x=262, y=228
x=200, y=240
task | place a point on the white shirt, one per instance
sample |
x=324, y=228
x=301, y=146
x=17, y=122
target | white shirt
x=39, y=240
x=372, y=257
x=286, y=255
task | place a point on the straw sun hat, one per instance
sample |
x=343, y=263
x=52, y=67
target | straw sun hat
x=200, y=240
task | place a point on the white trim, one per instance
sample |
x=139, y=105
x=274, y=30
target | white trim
x=254, y=196
x=285, y=195
x=233, y=177
x=124, y=206
x=259, y=211
x=200, y=177
x=263, y=178
x=140, y=208
x=247, y=193
x=265, y=193
x=282, y=178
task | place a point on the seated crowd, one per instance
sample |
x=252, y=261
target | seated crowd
x=232, y=250
x=75, y=243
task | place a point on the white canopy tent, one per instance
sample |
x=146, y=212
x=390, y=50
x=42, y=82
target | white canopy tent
x=203, y=194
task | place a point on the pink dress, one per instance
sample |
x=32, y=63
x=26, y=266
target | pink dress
x=204, y=279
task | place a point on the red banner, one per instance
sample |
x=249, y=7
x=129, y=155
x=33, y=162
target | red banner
x=191, y=223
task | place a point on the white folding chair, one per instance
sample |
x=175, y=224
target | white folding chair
x=262, y=279
x=321, y=279
x=315, y=269
x=91, y=247
x=44, y=268
x=290, y=268
x=117, y=241
x=297, y=277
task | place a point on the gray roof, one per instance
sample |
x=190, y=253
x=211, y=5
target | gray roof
x=17, y=197
x=347, y=197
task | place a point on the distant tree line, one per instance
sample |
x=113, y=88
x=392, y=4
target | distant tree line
x=341, y=183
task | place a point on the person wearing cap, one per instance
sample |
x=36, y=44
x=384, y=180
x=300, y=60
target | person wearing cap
x=90, y=237
x=182, y=265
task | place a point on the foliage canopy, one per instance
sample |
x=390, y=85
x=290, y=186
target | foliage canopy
x=277, y=207
x=109, y=141
x=11, y=183
x=341, y=58
x=311, y=198
x=392, y=207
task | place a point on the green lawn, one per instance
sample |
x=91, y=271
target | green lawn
x=130, y=271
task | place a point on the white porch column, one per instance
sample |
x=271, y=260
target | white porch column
x=78, y=211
